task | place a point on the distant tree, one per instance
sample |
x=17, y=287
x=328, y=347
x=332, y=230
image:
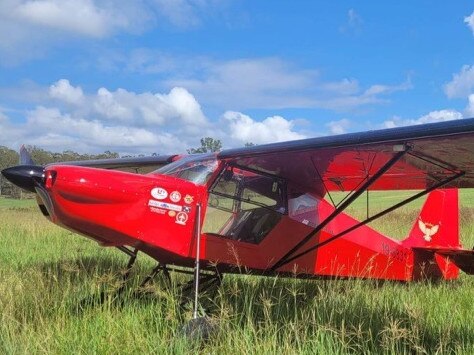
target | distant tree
x=8, y=157
x=41, y=156
x=208, y=145
x=105, y=155
x=249, y=144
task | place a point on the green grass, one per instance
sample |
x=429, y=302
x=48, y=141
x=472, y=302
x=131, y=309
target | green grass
x=47, y=272
x=15, y=203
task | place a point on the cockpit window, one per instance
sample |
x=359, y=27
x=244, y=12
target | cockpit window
x=197, y=169
x=245, y=205
x=252, y=189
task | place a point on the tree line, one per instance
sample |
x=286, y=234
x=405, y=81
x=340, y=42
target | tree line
x=9, y=157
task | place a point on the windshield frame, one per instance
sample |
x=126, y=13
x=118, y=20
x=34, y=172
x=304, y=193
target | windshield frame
x=186, y=163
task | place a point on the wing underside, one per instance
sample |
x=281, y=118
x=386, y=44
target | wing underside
x=430, y=154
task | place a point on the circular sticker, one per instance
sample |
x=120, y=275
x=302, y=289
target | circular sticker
x=159, y=193
x=175, y=196
x=181, y=218
x=171, y=213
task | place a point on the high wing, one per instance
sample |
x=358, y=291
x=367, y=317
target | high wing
x=140, y=165
x=418, y=157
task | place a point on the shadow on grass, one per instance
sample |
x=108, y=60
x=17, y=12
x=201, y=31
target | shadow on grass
x=99, y=280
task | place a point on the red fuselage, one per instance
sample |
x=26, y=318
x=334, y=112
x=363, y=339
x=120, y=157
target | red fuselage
x=250, y=221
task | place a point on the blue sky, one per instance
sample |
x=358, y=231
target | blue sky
x=155, y=76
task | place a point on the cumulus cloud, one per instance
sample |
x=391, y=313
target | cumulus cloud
x=178, y=106
x=152, y=108
x=119, y=120
x=52, y=129
x=433, y=116
x=339, y=127
x=64, y=91
x=129, y=122
x=272, y=129
x=90, y=131
x=469, y=20
x=462, y=83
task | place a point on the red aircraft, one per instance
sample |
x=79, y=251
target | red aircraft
x=268, y=209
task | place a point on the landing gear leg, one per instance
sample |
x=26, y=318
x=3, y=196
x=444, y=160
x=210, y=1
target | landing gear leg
x=126, y=275
x=199, y=327
x=157, y=269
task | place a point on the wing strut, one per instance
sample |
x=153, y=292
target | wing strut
x=342, y=207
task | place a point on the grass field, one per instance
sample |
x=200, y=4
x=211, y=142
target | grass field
x=46, y=273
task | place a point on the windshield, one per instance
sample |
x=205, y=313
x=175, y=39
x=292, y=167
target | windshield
x=197, y=169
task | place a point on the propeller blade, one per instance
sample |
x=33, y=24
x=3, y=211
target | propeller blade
x=25, y=157
x=25, y=176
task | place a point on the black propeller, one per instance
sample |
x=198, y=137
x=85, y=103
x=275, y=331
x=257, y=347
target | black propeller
x=26, y=175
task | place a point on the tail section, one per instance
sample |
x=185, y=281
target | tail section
x=437, y=225
x=434, y=239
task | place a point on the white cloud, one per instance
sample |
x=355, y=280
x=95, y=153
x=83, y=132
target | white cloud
x=353, y=24
x=64, y=91
x=182, y=104
x=96, y=18
x=116, y=105
x=470, y=106
x=51, y=120
x=40, y=24
x=56, y=130
x=151, y=108
x=274, y=83
x=469, y=20
x=375, y=94
x=244, y=129
x=82, y=17
x=119, y=120
x=433, y=116
x=243, y=83
x=339, y=127
x=51, y=129
x=462, y=83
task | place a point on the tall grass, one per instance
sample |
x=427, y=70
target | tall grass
x=51, y=280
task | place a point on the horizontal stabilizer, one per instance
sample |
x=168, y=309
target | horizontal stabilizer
x=462, y=258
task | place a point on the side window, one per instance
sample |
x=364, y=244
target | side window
x=303, y=208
